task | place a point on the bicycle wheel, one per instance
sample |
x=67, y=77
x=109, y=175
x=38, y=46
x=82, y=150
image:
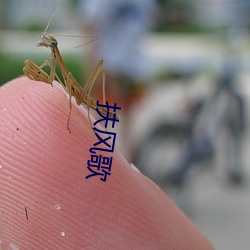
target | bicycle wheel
x=160, y=150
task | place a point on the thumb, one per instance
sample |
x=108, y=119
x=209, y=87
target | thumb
x=47, y=203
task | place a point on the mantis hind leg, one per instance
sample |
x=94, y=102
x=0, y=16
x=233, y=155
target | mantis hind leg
x=69, y=85
x=89, y=86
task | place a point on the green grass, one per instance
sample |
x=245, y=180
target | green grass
x=12, y=65
x=10, y=68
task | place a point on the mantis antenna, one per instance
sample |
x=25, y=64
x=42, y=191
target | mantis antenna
x=53, y=14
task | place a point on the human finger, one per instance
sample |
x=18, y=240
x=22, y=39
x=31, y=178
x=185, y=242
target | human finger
x=47, y=203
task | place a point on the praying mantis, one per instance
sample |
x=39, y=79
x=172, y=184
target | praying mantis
x=71, y=86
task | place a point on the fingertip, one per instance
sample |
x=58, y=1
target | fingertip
x=46, y=200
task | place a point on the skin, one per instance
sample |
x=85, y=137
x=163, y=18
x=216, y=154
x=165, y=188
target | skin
x=43, y=168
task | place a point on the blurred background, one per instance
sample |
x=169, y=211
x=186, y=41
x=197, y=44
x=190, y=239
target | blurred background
x=180, y=71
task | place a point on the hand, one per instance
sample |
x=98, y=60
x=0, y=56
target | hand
x=47, y=203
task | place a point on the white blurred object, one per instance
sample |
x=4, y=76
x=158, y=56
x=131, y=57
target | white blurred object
x=218, y=13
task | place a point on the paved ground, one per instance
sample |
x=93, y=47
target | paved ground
x=221, y=210
x=222, y=213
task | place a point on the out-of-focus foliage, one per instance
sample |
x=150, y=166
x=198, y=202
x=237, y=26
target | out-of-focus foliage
x=13, y=65
x=174, y=16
